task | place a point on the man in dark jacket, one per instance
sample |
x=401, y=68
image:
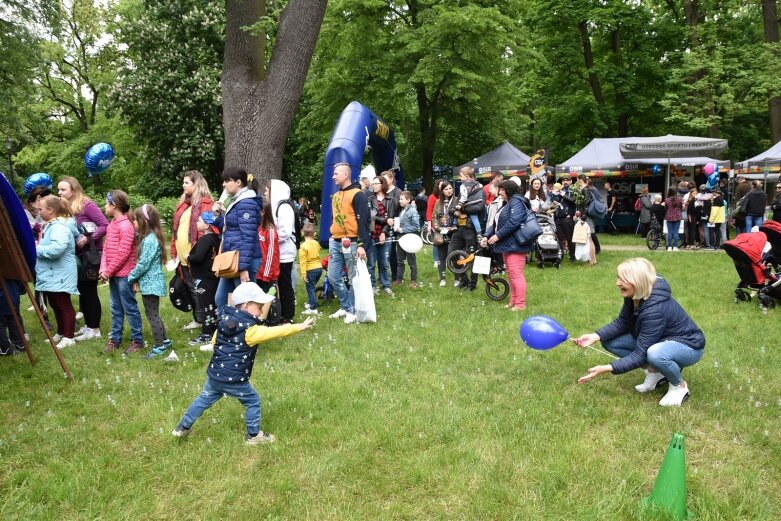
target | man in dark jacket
x=742, y=188
x=756, y=201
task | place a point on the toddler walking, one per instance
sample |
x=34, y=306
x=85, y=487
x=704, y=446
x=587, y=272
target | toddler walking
x=310, y=265
x=239, y=331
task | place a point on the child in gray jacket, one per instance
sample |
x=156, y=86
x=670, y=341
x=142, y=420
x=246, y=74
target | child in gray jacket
x=407, y=222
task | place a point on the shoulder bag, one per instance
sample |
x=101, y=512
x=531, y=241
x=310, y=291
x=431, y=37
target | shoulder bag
x=529, y=229
x=226, y=265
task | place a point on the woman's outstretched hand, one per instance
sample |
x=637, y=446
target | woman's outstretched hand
x=586, y=340
x=593, y=372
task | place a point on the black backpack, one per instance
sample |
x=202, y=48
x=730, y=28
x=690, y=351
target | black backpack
x=297, y=221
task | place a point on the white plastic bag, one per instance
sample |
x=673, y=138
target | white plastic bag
x=364, y=296
x=481, y=265
x=581, y=252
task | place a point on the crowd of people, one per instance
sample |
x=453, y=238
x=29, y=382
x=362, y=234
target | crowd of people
x=79, y=247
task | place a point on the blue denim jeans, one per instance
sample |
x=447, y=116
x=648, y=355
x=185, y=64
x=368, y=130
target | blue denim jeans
x=672, y=233
x=226, y=286
x=123, y=303
x=213, y=391
x=668, y=357
x=336, y=264
x=754, y=220
x=312, y=277
x=379, y=255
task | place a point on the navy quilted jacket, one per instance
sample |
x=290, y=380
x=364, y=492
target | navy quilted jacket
x=240, y=227
x=232, y=358
x=657, y=319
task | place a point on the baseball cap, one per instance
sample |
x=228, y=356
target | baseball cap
x=516, y=180
x=208, y=217
x=250, y=292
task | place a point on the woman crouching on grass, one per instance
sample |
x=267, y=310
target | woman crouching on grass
x=651, y=331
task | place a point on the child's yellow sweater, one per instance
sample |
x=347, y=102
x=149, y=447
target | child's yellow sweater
x=309, y=256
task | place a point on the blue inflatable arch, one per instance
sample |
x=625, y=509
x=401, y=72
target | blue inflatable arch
x=357, y=128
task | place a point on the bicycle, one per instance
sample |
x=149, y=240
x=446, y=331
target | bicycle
x=655, y=236
x=496, y=288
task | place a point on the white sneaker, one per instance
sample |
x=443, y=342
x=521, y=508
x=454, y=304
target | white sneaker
x=56, y=338
x=191, y=325
x=81, y=331
x=376, y=291
x=675, y=249
x=31, y=308
x=66, y=342
x=340, y=313
x=442, y=283
x=88, y=334
x=669, y=248
x=436, y=265
x=349, y=318
x=651, y=382
x=79, y=316
x=456, y=283
x=676, y=395
x=388, y=291
x=309, y=311
x=206, y=348
x=306, y=305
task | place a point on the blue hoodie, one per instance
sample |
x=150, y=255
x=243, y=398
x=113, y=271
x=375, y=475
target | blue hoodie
x=657, y=319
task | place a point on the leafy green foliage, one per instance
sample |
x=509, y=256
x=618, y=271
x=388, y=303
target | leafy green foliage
x=168, y=87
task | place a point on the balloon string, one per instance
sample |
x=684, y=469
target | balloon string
x=598, y=350
x=602, y=352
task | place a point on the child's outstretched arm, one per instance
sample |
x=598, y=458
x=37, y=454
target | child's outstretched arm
x=257, y=334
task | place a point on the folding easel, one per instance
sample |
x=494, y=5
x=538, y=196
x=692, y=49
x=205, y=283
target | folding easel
x=15, y=267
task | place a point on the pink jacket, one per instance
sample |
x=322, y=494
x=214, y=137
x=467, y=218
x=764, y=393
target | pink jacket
x=119, y=254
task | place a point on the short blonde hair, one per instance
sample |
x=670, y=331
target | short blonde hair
x=468, y=171
x=658, y=198
x=640, y=273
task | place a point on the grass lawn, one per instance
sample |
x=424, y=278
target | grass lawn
x=438, y=411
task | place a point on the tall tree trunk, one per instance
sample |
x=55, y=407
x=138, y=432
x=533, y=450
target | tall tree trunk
x=593, y=79
x=693, y=18
x=770, y=22
x=259, y=104
x=427, y=134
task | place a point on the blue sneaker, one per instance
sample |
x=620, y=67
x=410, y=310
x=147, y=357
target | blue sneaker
x=159, y=350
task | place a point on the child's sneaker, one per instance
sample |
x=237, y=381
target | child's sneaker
x=413, y=284
x=159, y=350
x=388, y=291
x=111, y=346
x=310, y=311
x=192, y=325
x=134, y=347
x=206, y=348
x=261, y=437
x=180, y=432
x=442, y=283
x=199, y=340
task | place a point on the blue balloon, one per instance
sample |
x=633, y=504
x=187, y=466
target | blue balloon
x=541, y=332
x=656, y=169
x=36, y=180
x=713, y=179
x=98, y=158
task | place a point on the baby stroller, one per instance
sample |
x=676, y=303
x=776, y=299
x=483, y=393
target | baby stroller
x=757, y=279
x=547, y=247
x=772, y=230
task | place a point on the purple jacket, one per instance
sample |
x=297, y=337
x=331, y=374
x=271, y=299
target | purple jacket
x=91, y=213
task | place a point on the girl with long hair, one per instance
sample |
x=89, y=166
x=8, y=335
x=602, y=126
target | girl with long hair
x=118, y=261
x=269, y=246
x=147, y=276
x=93, y=225
x=443, y=223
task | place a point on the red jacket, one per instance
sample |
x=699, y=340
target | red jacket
x=269, y=247
x=432, y=201
x=205, y=205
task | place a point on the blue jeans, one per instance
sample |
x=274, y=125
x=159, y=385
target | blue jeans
x=379, y=255
x=312, y=277
x=213, y=391
x=123, y=303
x=754, y=220
x=668, y=357
x=672, y=233
x=226, y=286
x=336, y=264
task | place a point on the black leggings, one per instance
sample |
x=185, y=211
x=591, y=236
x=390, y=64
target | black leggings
x=89, y=303
x=152, y=312
x=287, y=296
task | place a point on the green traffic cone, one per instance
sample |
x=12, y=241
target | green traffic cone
x=669, y=493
